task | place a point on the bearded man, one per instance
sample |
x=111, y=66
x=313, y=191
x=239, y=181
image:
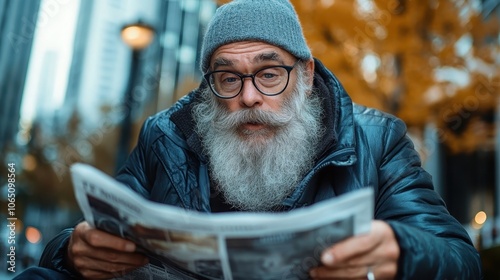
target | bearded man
x=256, y=139
x=271, y=129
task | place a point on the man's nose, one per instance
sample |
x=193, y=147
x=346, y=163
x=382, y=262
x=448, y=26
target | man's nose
x=250, y=96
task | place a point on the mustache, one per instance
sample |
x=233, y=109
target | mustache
x=234, y=119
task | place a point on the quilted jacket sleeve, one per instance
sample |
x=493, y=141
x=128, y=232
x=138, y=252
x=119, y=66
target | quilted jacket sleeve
x=53, y=257
x=433, y=244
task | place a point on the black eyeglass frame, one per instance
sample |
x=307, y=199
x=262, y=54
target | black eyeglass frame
x=252, y=76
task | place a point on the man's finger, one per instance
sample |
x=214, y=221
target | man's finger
x=98, y=269
x=100, y=239
x=117, y=257
x=343, y=251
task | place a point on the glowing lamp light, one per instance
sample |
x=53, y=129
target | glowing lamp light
x=137, y=35
x=480, y=218
x=33, y=235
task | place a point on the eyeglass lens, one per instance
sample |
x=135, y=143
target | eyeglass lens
x=271, y=80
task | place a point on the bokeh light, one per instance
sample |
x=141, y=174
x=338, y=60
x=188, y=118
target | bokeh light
x=33, y=235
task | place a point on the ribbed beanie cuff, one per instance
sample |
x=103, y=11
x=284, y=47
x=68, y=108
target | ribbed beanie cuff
x=271, y=21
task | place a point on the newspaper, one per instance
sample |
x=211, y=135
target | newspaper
x=185, y=244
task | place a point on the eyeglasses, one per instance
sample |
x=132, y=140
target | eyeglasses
x=270, y=81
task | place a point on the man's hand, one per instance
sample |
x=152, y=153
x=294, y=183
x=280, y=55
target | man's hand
x=97, y=254
x=378, y=252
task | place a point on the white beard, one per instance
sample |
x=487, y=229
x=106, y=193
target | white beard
x=255, y=171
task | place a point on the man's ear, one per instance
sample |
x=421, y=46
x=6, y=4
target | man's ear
x=310, y=71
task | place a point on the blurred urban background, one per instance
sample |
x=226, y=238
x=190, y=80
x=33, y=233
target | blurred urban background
x=78, y=77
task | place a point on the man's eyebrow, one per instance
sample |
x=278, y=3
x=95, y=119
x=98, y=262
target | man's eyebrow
x=269, y=56
x=222, y=62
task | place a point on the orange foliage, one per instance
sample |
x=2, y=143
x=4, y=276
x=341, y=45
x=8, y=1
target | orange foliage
x=410, y=42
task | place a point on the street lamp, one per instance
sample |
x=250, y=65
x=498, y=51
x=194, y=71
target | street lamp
x=137, y=36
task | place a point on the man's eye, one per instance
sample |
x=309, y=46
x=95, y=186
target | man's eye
x=229, y=80
x=226, y=78
x=268, y=75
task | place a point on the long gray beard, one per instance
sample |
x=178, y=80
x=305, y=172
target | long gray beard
x=255, y=171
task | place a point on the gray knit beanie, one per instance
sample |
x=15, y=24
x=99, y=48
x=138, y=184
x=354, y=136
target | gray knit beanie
x=271, y=21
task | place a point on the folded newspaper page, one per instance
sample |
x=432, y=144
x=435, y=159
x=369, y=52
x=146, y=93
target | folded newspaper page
x=185, y=244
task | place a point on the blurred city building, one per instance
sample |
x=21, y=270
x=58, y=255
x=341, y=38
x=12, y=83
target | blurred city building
x=73, y=90
x=71, y=86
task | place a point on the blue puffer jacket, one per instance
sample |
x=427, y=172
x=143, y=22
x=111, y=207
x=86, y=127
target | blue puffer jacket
x=362, y=147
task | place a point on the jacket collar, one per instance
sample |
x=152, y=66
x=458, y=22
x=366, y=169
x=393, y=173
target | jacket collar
x=341, y=115
x=184, y=121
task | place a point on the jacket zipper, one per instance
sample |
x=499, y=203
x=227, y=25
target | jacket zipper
x=330, y=160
